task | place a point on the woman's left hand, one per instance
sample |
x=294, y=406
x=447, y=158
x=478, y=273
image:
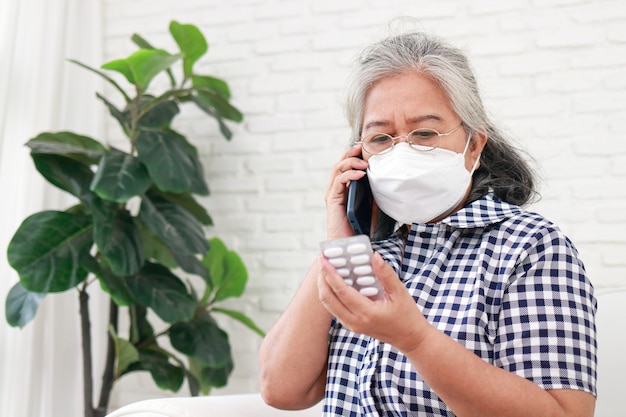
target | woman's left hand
x=395, y=319
x=448, y=367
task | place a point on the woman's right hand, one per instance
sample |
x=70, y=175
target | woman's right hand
x=350, y=168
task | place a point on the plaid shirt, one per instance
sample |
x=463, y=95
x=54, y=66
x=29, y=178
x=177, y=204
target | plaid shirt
x=503, y=282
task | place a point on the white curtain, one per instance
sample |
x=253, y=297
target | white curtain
x=40, y=367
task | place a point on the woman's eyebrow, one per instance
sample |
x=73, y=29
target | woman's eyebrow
x=412, y=120
x=424, y=118
x=376, y=123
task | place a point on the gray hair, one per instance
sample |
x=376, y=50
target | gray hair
x=503, y=170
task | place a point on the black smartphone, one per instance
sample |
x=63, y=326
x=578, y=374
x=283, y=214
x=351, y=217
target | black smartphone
x=359, y=206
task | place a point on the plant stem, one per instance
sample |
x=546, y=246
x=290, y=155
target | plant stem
x=86, y=345
x=108, y=376
x=134, y=326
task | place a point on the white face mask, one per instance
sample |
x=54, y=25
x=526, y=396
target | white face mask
x=415, y=187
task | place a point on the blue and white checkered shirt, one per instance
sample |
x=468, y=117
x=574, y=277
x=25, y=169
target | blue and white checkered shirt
x=505, y=283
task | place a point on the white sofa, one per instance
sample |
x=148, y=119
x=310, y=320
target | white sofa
x=611, y=324
x=239, y=405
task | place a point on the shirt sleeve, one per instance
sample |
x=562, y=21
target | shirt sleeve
x=546, y=326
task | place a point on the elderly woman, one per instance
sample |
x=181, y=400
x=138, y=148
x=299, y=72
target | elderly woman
x=487, y=309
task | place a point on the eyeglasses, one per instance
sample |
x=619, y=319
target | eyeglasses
x=422, y=139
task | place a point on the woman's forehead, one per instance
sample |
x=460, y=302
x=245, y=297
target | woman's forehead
x=410, y=98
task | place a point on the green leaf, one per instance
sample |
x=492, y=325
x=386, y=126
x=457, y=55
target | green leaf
x=21, y=305
x=224, y=129
x=110, y=283
x=172, y=162
x=120, y=177
x=215, y=376
x=157, y=250
x=144, y=44
x=46, y=250
x=142, y=66
x=125, y=352
x=235, y=278
x=123, y=118
x=89, y=262
x=204, y=106
x=80, y=148
x=187, y=201
x=154, y=248
x=220, y=86
x=219, y=104
x=174, y=225
x=157, y=288
x=226, y=269
x=242, y=318
x=117, y=238
x=141, y=42
x=214, y=261
x=105, y=76
x=66, y=173
x=160, y=114
x=203, y=340
x=191, y=42
x=115, y=286
x=193, y=265
x=164, y=374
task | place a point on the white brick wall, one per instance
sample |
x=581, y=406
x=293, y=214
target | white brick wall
x=552, y=71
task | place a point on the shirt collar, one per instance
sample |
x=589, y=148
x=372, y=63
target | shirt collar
x=485, y=211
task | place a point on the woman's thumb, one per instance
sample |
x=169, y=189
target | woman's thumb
x=384, y=272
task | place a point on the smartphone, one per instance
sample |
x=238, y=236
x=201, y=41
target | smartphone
x=359, y=206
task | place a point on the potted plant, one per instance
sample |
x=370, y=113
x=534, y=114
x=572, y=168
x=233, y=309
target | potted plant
x=137, y=230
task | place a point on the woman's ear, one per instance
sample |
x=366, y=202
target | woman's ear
x=476, y=146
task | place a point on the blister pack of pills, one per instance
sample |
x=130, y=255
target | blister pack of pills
x=352, y=259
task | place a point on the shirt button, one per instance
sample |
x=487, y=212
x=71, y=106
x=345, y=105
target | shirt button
x=424, y=235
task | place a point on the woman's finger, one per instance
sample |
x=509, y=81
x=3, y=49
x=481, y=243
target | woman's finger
x=386, y=275
x=350, y=160
x=349, y=168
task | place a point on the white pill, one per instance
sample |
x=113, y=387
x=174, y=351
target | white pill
x=356, y=248
x=337, y=262
x=348, y=281
x=344, y=272
x=362, y=269
x=369, y=291
x=332, y=252
x=366, y=281
x=360, y=259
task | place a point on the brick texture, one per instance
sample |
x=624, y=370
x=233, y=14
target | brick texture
x=552, y=72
